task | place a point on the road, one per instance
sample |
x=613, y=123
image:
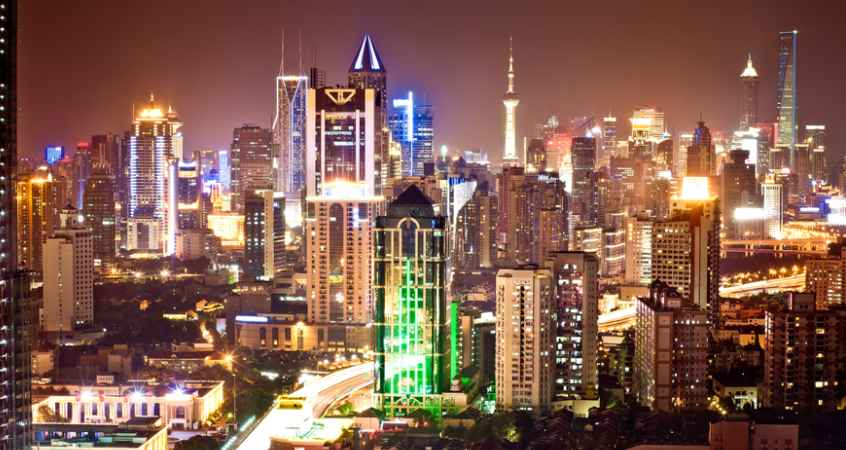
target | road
x=298, y=423
x=790, y=283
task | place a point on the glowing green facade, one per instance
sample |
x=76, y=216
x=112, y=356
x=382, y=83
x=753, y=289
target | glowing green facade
x=411, y=323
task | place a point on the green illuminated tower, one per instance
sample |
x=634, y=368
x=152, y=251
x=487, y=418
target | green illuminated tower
x=412, y=330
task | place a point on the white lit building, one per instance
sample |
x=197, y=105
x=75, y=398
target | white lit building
x=773, y=208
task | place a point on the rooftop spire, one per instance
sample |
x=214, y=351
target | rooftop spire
x=282, y=59
x=367, y=58
x=749, y=71
x=510, y=65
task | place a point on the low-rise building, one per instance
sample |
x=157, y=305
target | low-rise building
x=134, y=434
x=181, y=405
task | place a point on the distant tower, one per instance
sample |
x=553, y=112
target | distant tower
x=749, y=114
x=787, y=114
x=510, y=101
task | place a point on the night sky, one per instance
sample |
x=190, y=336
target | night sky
x=84, y=63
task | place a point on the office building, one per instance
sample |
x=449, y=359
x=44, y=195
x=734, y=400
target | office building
x=412, y=127
x=510, y=101
x=671, y=351
x=411, y=321
x=773, y=198
x=804, y=349
x=69, y=276
x=475, y=236
x=264, y=234
x=738, y=189
x=815, y=139
x=289, y=133
x=367, y=71
x=525, y=338
x=98, y=208
x=648, y=124
x=106, y=152
x=81, y=172
x=701, y=159
x=638, y=250
x=583, y=154
x=188, y=190
x=154, y=143
x=787, y=120
x=749, y=101
x=575, y=308
x=39, y=198
x=15, y=323
x=316, y=78
x=251, y=162
x=136, y=434
x=609, y=140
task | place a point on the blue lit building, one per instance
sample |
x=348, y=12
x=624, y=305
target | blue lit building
x=224, y=174
x=786, y=119
x=412, y=126
x=53, y=154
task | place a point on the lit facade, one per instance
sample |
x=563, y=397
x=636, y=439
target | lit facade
x=411, y=317
x=188, y=190
x=39, y=199
x=98, y=207
x=525, y=338
x=583, y=155
x=638, y=250
x=738, y=189
x=155, y=143
x=251, y=161
x=289, y=133
x=412, y=126
x=749, y=105
x=671, y=351
x=771, y=191
x=576, y=293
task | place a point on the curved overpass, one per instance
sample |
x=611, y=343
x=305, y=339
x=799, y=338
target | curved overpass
x=319, y=394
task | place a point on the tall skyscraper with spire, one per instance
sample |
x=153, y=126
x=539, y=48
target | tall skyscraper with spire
x=510, y=101
x=289, y=129
x=749, y=114
x=787, y=114
x=367, y=71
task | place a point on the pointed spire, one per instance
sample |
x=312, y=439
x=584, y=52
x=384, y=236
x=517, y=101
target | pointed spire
x=300, y=49
x=510, y=65
x=749, y=71
x=367, y=58
x=282, y=59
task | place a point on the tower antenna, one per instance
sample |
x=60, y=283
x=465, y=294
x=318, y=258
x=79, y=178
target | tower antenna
x=300, y=48
x=282, y=60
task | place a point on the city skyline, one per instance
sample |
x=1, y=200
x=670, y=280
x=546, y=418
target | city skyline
x=610, y=73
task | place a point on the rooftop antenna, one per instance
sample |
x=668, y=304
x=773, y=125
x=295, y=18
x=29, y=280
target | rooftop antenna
x=300, y=48
x=282, y=62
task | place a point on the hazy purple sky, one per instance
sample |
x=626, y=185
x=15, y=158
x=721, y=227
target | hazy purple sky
x=84, y=63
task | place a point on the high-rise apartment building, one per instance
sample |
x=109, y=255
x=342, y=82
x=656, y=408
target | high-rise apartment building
x=773, y=197
x=412, y=126
x=98, y=208
x=575, y=308
x=69, y=276
x=15, y=323
x=251, y=162
x=701, y=159
x=686, y=247
x=671, y=351
x=510, y=101
x=81, y=172
x=155, y=144
x=474, y=240
x=525, y=338
x=787, y=120
x=289, y=133
x=264, y=233
x=411, y=320
x=805, y=348
x=749, y=102
x=826, y=277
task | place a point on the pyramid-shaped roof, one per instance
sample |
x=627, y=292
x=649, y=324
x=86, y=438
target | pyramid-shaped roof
x=412, y=201
x=367, y=58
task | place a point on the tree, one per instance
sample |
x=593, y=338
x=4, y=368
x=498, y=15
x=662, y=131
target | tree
x=198, y=442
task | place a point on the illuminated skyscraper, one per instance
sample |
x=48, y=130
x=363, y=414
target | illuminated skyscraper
x=69, y=275
x=341, y=203
x=576, y=293
x=81, y=172
x=525, y=338
x=411, y=323
x=367, y=71
x=749, y=112
x=264, y=233
x=188, y=189
x=787, y=120
x=585, y=201
x=700, y=154
x=289, y=133
x=738, y=189
x=98, y=207
x=252, y=162
x=609, y=139
x=15, y=323
x=638, y=250
x=509, y=155
x=412, y=126
x=154, y=142
x=106, y=152
x=815, y=138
